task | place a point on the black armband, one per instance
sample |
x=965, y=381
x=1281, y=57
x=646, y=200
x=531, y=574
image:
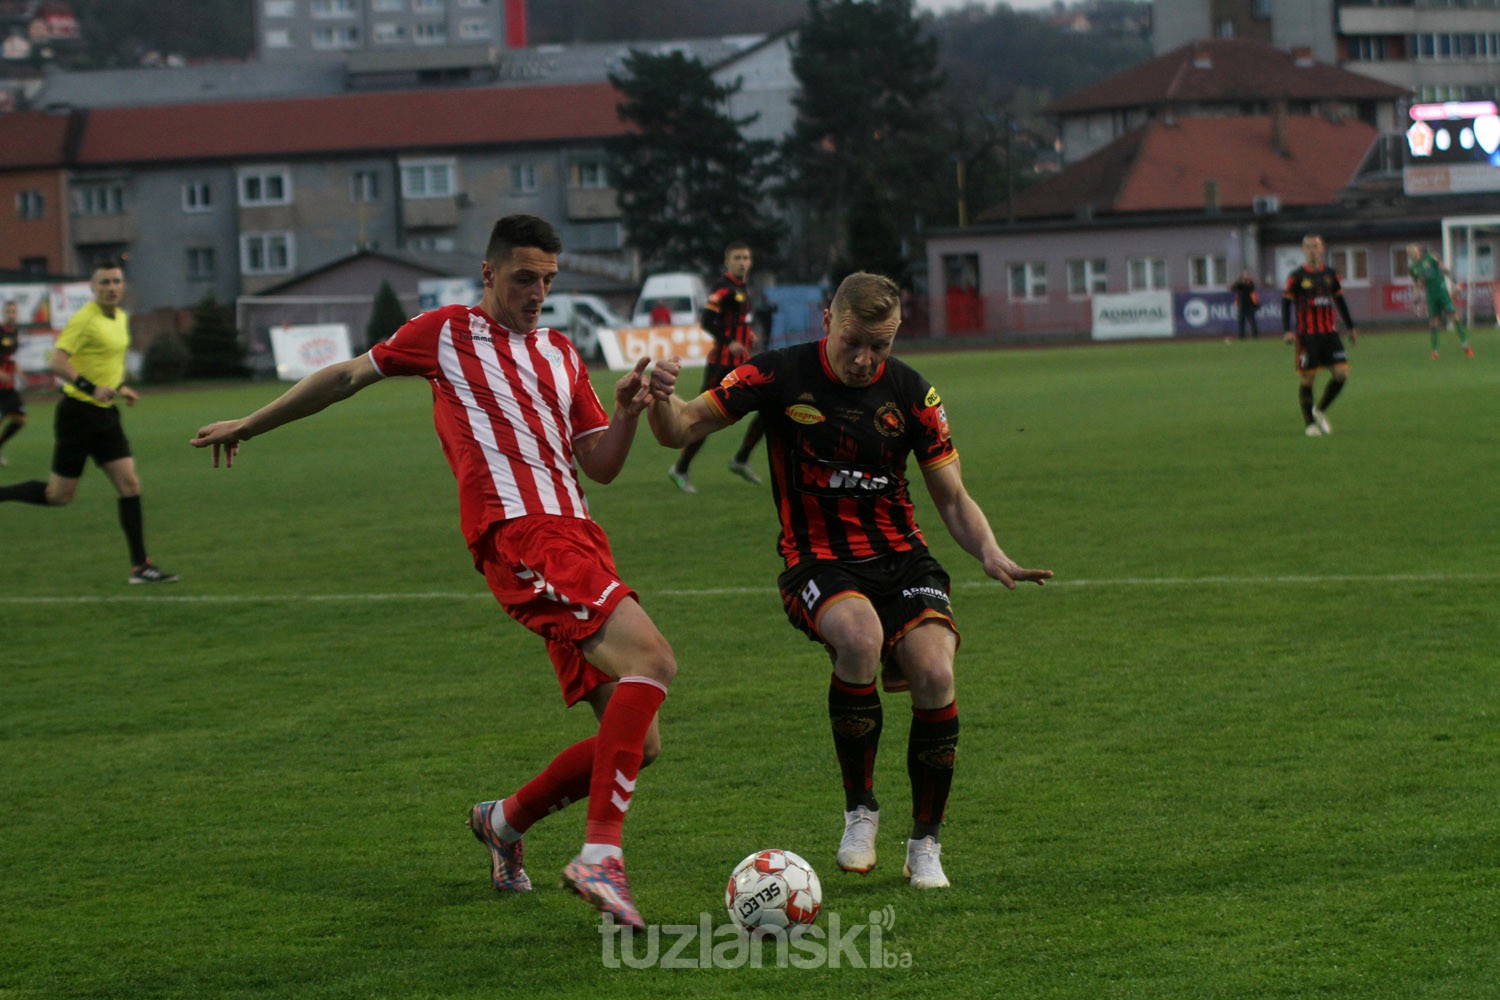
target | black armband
x=83, y=385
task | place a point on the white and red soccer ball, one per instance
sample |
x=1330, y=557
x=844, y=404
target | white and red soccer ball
x=773, y=890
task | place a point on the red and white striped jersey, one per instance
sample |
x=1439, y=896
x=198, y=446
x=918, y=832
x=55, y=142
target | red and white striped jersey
x=508, y=407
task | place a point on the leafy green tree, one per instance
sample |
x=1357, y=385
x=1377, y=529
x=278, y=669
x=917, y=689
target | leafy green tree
x=213, y=344
x=866, y=139
x=386, y=315
x=688, y=179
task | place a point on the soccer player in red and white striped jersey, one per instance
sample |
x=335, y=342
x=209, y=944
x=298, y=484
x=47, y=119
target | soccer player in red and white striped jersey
x=517, y=417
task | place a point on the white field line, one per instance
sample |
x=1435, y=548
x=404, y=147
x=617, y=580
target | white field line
x=156, y=595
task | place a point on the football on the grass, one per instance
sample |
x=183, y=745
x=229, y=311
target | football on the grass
x=773, y=889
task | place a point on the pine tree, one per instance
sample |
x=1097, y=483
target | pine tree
x=865, y=142
x=213, y=344
x=688, y=180
x=386, y=315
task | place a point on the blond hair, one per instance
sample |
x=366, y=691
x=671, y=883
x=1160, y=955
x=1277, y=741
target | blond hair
x=868, y=297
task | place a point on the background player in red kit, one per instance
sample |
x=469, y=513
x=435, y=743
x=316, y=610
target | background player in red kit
x=841, y=417
x=1313, y=292
x=726, y=317
x=514, y=410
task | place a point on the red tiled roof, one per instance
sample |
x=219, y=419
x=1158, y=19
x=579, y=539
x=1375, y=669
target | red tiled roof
x=428, y=120
x=1162, y=168
x=31, y=139
x=1223, y=71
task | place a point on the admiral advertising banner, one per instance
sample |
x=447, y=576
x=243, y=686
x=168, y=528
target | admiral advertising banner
x=1132, y=315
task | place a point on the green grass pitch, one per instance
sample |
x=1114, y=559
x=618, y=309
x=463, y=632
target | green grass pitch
x=1245, y=745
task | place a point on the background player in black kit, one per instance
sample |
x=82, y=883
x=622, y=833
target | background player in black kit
x=726, y=317
x=12, y=408
x=841, y=418
x=1313, y=292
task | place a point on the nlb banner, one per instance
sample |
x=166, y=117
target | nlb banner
x=623, y=347
x=1132, y=315
x=1214, y=313
x=302, y=350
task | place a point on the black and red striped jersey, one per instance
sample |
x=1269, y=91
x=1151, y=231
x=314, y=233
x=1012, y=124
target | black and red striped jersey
x=838, y=454
x=10, y=339
x=1314, y=294
x=726, y=318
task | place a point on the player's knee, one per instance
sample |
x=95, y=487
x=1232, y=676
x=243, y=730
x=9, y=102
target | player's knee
x=651, y=748
x=661, y=663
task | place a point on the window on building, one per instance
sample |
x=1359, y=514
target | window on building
x=1352, y=264
x=1146, y=273
x=364, y=186
x=30, y=205
x=99, y=199
x=335, y=39
x=430, y=243
x=590, y=176
x=334, y=8
x=430, y=33
x=1028, y=281
x=1400, y=266
x=278, y=38
x=427, y=6
x=386, y=6
x=280, y=8
x=472, y=3
x=471, y=30
x=200, y=263
x=427, y=179
x=523, y=178
x=197, y=196
x=1207, y=272
x=385, y=33
x=267, y=253
x=34, y=265
x=265, y=186
x=1087, y=277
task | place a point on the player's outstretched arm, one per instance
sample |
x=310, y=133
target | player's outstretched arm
x=315, y=392
x=678, y=422
x=971, y=529
x=602, y=455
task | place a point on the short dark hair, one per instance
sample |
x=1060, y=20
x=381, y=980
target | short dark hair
x=107, y=264
x=521, y=231
x=734, y=245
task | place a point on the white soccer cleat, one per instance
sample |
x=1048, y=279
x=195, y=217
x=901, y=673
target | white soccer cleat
x=681, y=480
x=924, y=865
x=1313, y=431
x=857, y=849
x=1322, y=421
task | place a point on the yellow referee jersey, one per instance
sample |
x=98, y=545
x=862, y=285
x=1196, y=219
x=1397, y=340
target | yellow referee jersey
x=96, y=344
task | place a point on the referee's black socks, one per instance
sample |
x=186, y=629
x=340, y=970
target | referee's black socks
x=31, y=491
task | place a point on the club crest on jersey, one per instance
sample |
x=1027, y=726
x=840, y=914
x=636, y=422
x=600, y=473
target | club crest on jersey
x=804, y=414
x=552, y=354
x=889, y=420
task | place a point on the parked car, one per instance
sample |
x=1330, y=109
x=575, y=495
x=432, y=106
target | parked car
x=683, y=292
x=580, y=318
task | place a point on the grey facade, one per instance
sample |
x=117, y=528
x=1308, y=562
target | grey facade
x=330, y=30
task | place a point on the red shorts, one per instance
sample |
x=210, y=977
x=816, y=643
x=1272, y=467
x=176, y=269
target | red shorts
x=556, y=576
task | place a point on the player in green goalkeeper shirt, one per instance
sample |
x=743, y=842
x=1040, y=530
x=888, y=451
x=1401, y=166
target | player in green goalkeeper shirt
x=1430, y=281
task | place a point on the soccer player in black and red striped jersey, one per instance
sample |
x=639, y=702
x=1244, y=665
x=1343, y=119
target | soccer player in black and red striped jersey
x=841, y=418
x=726, y=317
x=1313, y=292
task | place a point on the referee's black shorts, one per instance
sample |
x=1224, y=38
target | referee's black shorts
x=83, y=431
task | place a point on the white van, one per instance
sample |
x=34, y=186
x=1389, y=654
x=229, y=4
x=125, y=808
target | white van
x=580, y=318
x=682, y=291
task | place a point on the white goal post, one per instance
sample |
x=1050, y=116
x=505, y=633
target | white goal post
x=1469, y=237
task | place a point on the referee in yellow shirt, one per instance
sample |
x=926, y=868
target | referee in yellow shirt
x=90, y=360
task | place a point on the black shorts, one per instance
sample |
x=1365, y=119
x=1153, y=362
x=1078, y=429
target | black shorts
x=905, y=588
x=1320, y=350
x=84, y=431
x=10, y=403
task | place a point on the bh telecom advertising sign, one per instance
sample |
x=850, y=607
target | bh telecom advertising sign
x=1209, y=314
